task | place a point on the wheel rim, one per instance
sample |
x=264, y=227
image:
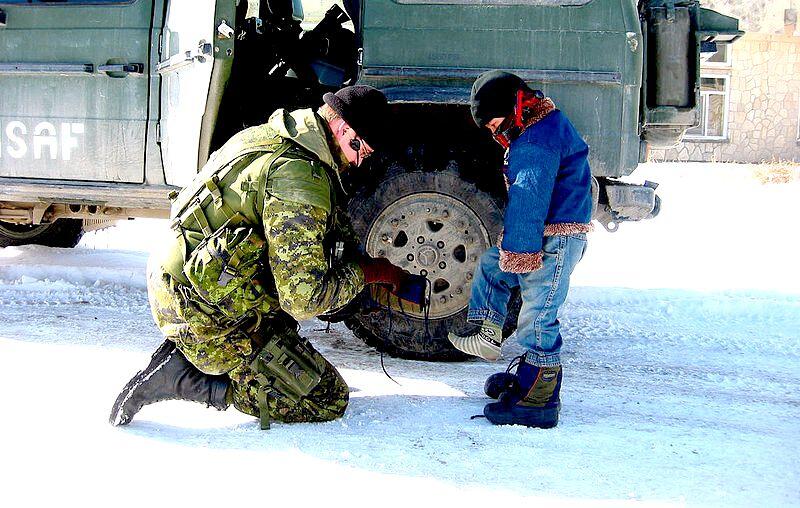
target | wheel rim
x=435, y=235
x=22, y=231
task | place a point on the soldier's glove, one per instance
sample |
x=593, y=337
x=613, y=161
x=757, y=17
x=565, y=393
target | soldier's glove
x=414, y=289
x=382, y=271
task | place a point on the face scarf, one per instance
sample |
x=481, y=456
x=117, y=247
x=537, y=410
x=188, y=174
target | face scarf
x=531, y=106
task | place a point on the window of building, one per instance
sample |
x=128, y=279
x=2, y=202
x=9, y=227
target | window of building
x=714, y=105
x=722, y=57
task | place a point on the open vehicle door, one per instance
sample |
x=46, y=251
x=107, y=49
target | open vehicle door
x=74, y=80
x=196, y=58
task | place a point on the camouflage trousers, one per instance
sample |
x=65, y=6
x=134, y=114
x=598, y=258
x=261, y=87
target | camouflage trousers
x=304, y=387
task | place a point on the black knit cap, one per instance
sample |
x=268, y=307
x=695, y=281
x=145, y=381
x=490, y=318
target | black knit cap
x=494, y=95
x=365, y=109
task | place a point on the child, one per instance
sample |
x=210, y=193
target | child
x=546, y=220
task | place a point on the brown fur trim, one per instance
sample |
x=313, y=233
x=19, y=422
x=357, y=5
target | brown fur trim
x=567, y=228
x=541, y=110
x=520, y=262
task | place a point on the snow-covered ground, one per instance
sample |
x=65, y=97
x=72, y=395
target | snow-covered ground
x=682, y=340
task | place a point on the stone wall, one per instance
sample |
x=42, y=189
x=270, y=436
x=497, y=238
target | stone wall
x=764, y=105
x=754, y=15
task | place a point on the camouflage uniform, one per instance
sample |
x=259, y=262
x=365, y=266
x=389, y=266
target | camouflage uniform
x=251, y=256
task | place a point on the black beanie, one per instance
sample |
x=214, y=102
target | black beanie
x=365, y=109
x=494, y=95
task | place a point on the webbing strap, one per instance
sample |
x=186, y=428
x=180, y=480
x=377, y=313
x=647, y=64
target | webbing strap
x=262, y=397
x=262, y=184
x=212, y=186
x=201, y=219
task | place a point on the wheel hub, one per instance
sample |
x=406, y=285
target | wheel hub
x=427, y=255
x=434, y=235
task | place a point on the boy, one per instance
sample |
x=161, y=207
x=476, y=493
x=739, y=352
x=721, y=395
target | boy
x=546, y=220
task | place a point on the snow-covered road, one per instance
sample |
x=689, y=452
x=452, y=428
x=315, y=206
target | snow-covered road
x=682, y=349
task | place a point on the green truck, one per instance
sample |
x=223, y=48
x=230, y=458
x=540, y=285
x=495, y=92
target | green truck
x=109, y=106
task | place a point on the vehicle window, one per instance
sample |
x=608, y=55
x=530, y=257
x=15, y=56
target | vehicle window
x=314, y=10
x=62, y=2
x=555, y=3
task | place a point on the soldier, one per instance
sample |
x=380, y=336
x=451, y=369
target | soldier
x=255, y=250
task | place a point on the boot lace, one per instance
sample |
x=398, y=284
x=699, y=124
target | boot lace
x=515, y=362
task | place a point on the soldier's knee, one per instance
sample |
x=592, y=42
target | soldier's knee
x=331, y=395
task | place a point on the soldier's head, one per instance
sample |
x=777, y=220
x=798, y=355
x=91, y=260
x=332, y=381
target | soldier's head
x=357, y=116
x=498, y=101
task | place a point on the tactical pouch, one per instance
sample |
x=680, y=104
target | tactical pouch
x=289, y=369
x=223, y=267
x=301, y=181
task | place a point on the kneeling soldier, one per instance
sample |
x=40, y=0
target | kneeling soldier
x=255, y=235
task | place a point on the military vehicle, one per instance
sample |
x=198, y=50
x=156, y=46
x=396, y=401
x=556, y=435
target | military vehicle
x=108, y=106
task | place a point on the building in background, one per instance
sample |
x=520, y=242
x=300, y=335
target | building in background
x=750, y=91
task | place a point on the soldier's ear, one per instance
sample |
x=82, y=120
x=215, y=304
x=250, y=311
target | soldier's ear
x=345, y=128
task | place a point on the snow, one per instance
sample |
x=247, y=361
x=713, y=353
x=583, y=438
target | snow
x=681, y=381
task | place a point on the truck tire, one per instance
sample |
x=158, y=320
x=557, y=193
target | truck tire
x=61, y=233
x=435, y=224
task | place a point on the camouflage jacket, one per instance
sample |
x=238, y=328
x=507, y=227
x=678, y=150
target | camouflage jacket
x=255, y=227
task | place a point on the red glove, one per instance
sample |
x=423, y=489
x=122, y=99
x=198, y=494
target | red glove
x=382, y=271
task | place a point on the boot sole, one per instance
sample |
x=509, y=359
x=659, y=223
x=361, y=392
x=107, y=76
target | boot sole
x=541, y=418
x=118, y=417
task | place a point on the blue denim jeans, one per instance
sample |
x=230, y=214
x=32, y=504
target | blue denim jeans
x=543, y=292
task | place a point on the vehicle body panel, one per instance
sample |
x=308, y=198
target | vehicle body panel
x=586, y=57
x=63, y=114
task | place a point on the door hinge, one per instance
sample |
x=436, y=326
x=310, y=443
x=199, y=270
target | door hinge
x=201, y=54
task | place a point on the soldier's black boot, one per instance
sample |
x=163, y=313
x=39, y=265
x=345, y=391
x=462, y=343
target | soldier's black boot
x=533, y=402
x=169, y=376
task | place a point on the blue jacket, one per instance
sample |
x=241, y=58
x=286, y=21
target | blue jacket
x=549, y=190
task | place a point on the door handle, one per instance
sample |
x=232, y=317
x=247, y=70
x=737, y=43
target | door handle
x=133, y=68
x=3, y=18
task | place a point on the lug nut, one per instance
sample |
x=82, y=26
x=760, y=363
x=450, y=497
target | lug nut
x=445, y=213
x=442, y=265
x=420, y=240
x=443, y=299
x=385, y=238
x=440, y=244
x=424, y=273
x=410, y=257
x=459, y=291
x=395, y=223
x=473, y=258
x=468, y=276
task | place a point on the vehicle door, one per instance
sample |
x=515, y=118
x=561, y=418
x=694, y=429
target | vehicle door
x=74, y=80
x=196, y=58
